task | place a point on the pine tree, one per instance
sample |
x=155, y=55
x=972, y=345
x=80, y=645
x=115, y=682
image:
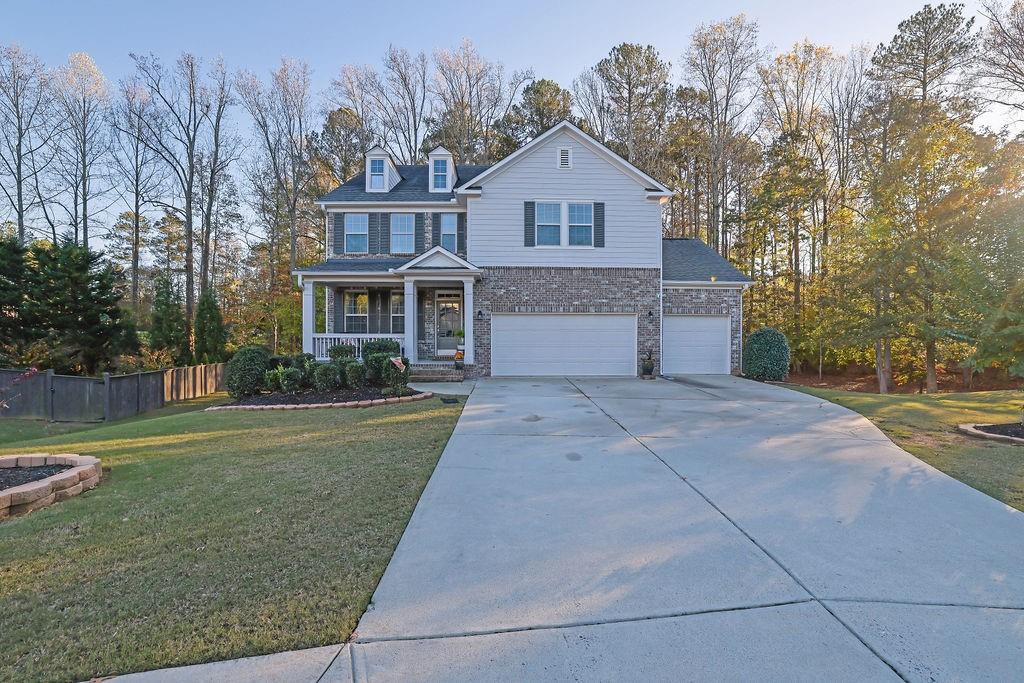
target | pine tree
x=209, y=329
x=12, y=293
x=168, y=329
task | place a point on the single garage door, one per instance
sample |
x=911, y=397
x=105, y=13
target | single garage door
x=695, y=344
x=563, y=344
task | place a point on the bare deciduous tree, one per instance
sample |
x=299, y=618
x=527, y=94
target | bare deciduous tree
x=591, y=100
x=1002, y=59
x=219, y=151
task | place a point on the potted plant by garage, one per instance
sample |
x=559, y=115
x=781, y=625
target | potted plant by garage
x=647, y=366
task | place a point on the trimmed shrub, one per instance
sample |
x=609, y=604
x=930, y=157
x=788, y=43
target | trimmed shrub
x=279, y=362
x=375, y=367
x=270, y=379
x=306, y=364
x=327, y=377
x=395, y=379
x=245, y=371
x=355, y=375
x=290, y=380
x=341, y=351
x=388, y=346
x=766, y=355
x=342, y=364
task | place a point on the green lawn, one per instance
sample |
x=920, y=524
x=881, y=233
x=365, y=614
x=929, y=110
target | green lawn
x=213, y=536
x=924, y=426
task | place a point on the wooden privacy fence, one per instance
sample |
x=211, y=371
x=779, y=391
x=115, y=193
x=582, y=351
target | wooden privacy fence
x=64, y=398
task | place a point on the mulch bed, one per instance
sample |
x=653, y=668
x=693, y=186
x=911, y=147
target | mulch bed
x=16, y=476
x=311, y=397
x=1015, y=429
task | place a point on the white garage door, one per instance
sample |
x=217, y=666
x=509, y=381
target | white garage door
x=695, y=344
x=563, y=344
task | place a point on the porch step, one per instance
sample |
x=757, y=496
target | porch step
x=436, y=373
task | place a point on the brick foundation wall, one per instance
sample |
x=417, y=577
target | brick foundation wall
x=513, y=289
x=711, y=301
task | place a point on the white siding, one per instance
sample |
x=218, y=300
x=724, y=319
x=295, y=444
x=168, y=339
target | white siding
x=632, y=222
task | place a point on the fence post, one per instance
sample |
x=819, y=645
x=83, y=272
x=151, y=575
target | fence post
x=106, y=396
x=48, y=394
x=138, y=393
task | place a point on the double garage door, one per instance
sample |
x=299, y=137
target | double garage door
x=563, y=344
x=695, y=345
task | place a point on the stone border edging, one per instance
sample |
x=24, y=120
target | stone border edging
x=346, y=404
x=84, y=474
x=972, y=430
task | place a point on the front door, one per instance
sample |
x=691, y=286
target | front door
x=449, y=321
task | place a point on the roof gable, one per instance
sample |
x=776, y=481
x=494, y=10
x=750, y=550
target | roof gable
x=435, y=258
x=690, y=260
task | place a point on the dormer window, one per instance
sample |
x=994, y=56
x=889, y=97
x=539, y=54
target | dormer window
x=440, y=174
x=376, y=174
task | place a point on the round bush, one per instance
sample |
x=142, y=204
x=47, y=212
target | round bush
x=341, y=351
x=388, y=346
x=270, y=379
x=306, y=364
x=279, y=362
x=245, y=371
x=290, y=380
x=327, y=377
x=355, y=375
x=375, y=367
x=394, y=378
x=766, y=355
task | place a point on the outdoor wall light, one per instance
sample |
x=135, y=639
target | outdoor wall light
x=714, y=278
x=650, y=314
x=479, y=315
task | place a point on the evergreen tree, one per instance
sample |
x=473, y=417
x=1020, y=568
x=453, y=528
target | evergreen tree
x=168, y=329
x=209, y=329
x=74, y=297
x=12, y=293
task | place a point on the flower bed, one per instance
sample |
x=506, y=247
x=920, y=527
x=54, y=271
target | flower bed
x=74, y=474
x=313, y=400
x=1006, y=433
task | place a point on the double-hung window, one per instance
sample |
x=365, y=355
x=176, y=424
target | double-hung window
x=397, y=312
x=581, y=225
x=403, y=233
x=440, y=174
x=357, y=312
x=549, y=224
x=450, y=231
x=376, y=174
x=357, y=233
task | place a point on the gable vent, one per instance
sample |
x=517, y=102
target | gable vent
x=564, y=157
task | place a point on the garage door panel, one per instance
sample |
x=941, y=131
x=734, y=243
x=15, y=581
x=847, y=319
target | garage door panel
x=563, y=344
x=696, y=344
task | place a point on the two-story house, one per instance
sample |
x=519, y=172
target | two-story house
x=549, y=262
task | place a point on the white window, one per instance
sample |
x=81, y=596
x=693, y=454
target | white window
x=564, y=157
x=403, y=233
x=450, y=231
x=357, y=311
x=397, y=312
x=440, y=174
x=357, y=233
x=549, y=224
x=581, y=225
x=376, y=174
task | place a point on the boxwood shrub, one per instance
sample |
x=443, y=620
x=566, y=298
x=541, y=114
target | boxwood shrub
x=376, y=364
x=245, y=371
x=341, y=351
x=290, y=380
x=306, y=364
x=766, y=355
x=394, y=379
x=327, y=377
x=388, y=346
x=355, y=375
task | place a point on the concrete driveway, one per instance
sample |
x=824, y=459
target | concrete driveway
x=710, y=528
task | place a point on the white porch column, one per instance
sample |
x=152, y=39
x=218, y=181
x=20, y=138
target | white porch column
x=469, y=313
x=410, y=320
x=308, y=316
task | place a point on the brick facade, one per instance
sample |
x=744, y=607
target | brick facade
x=711, y=301
x=516, y=289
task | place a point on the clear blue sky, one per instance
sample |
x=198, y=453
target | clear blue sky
x=556, y=39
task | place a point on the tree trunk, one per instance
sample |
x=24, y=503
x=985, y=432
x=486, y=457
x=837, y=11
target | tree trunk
x=931, y=377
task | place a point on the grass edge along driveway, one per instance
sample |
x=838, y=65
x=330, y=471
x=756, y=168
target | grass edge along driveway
x=924, y=426
x=213, y=536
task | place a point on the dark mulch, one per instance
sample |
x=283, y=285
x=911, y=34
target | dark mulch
x=1012, y=429
x=307, y=397
x=16, y=476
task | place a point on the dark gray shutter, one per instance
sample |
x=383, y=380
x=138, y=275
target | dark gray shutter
x=529, y=224
x=380, y=311
x=373, y=233
x=435, y=228
x=420, y=241
x=339, y=310
x=461, y=232
x=385, y=234
x=421, y=317
x=339, y=233
x=598, y=224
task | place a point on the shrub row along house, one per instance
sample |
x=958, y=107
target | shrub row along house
x=550, y=262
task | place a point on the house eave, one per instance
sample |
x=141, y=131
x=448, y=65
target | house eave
x=705, y=284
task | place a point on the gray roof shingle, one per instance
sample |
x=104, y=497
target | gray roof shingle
x=690, y=260
x=411, y=188
x=355, y=265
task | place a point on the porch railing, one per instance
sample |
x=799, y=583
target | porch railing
x=322, y=343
